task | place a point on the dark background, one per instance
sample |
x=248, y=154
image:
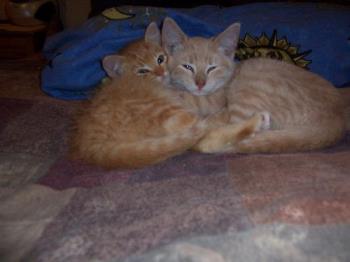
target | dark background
x=97, y=6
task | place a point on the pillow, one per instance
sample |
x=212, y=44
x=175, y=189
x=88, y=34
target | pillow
x=310, y=35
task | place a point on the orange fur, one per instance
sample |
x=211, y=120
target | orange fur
x=133, y=121
x=136, y=120
x=305, y=111
x=132, y=124
x=200, y=66
x=227, y=136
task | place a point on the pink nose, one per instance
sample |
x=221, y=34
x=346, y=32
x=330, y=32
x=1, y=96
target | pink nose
x=200, y=84
x=159, y=71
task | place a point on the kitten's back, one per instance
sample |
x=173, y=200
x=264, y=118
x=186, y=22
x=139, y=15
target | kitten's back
x=307, y=111
x=132, y=124
x=291, y=94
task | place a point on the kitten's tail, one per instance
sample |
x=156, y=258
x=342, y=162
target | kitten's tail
x=148, y=151
x=292, y=140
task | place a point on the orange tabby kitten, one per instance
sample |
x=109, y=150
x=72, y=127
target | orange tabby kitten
x=134, y=121
x=305, y=110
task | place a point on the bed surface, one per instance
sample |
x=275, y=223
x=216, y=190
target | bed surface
x=289, y=207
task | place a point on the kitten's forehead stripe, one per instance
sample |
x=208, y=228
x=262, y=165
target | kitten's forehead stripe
x=200, y=52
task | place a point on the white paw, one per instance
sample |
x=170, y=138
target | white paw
x=265, y=118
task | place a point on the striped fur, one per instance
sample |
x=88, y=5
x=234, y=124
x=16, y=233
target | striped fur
x=307, y=112
x=133, y=124
x=301, y=110
x=134, y=120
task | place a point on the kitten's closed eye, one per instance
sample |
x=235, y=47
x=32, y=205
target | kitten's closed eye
x=188, y=67
x=211, y=68
x=142, y=71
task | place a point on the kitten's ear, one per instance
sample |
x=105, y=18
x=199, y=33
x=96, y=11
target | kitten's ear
x=173, y=37
x=227, y=41
x=152, y=34
x=113, y=65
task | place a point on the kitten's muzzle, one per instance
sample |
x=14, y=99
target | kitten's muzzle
x=159, y=71
x=200, y=83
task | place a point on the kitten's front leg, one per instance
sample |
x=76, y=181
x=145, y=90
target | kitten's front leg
x=218, y=119
x=224, y=138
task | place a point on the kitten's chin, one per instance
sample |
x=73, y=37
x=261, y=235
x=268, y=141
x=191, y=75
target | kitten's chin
x=204, y=91
x=201, y=93
x=195, y=92
x=163, y=79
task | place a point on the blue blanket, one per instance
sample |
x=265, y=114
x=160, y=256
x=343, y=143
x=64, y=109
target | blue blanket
x=314, y=36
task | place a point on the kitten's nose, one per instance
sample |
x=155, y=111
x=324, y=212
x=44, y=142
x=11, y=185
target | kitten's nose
x=159, y=71
x=200, y=83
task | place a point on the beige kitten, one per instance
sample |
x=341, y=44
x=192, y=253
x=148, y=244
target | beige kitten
x=134, y=121
x=306, y=111
x=200, y=66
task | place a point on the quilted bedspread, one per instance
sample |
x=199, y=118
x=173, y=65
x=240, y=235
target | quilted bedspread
x=194, y=207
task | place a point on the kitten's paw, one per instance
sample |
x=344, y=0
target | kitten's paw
x=264, y=121
x=210, y=145
x=199, y=129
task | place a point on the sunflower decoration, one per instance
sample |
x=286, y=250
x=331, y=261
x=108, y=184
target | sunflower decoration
x=114, y=13
x=272, y=47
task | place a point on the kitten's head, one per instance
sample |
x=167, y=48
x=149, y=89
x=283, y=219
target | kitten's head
x=144, y=58
x=197, y=64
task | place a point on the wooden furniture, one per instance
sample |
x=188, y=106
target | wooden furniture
x=21, y=41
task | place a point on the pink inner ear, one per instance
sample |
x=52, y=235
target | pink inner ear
x=173, y=37
x=112, y=65
x=152, y=34
x=225, y=46
x=227, y=41
x=226, y=51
